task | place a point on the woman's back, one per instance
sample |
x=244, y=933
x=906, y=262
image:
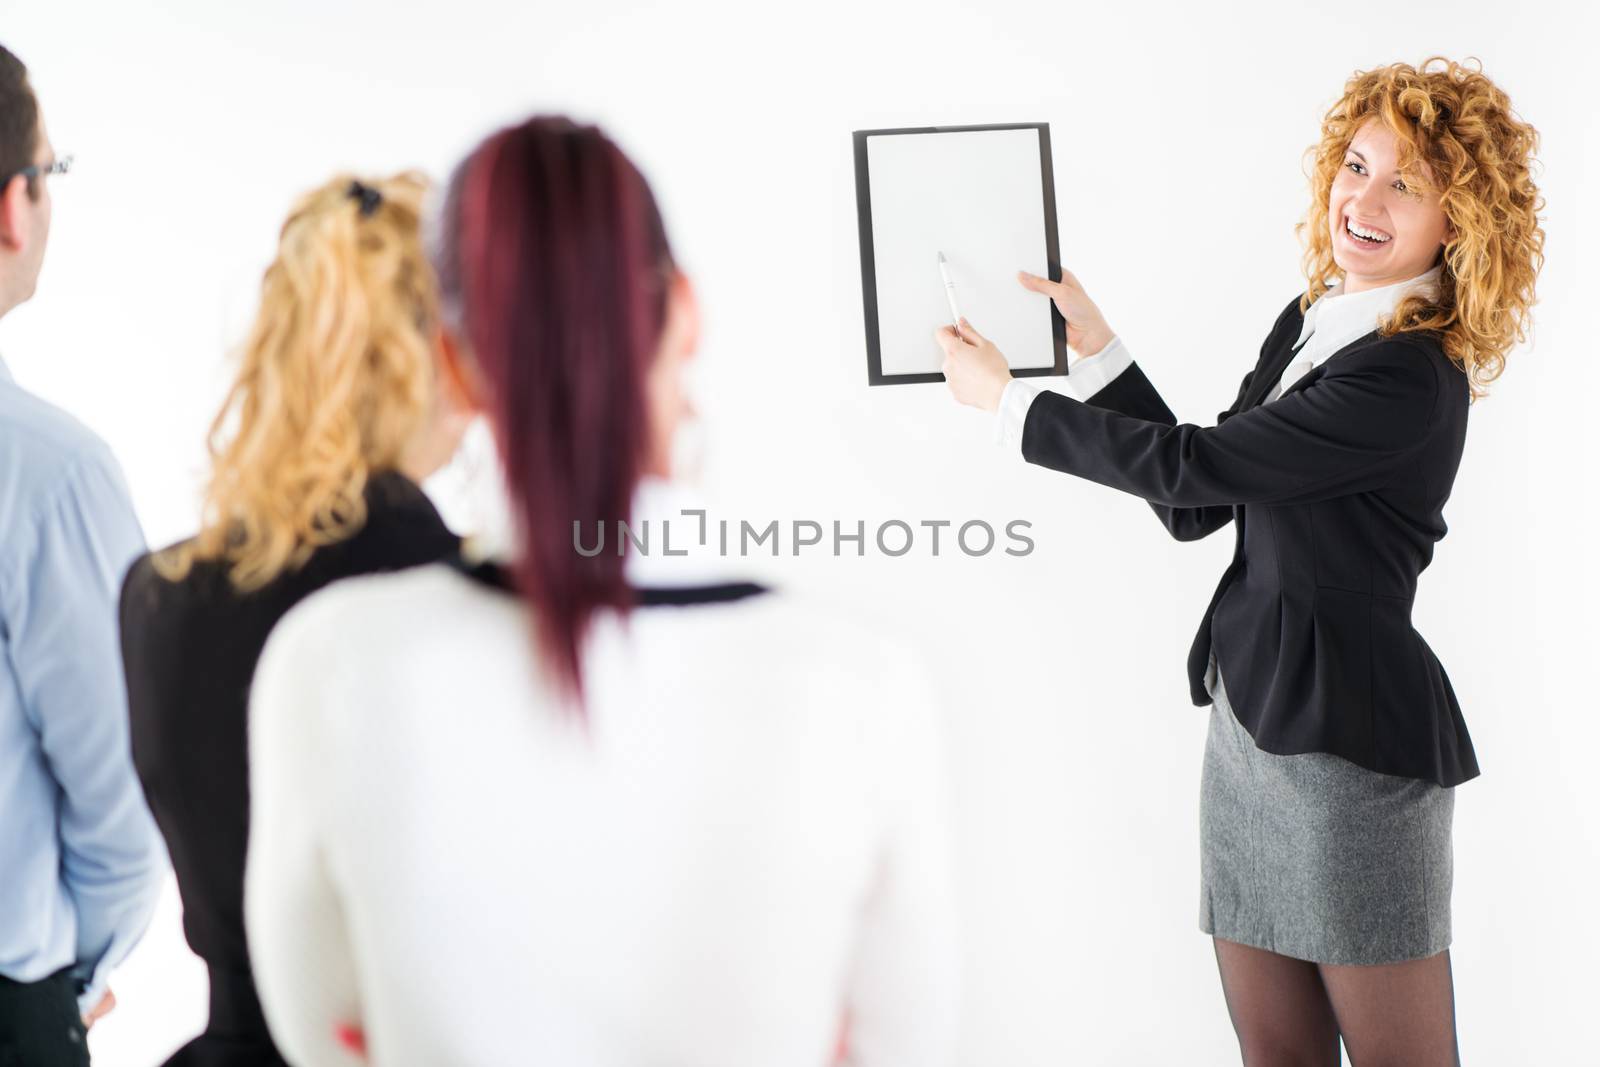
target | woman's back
x=739, y=842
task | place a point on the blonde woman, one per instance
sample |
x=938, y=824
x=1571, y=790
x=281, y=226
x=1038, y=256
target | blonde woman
x=316, y=458
x=1328, y=785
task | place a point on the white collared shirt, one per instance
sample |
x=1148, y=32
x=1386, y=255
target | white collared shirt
x=1332, y=321
x=741, y=841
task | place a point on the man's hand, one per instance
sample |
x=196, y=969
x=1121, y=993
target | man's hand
x=100, y=1010
x=974, y=368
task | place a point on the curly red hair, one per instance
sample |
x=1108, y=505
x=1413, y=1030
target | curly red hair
x=1459, y=136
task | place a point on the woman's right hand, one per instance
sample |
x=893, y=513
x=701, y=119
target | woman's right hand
x=1087, y=332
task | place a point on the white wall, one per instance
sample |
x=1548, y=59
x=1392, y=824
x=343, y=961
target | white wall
x=1178, y=132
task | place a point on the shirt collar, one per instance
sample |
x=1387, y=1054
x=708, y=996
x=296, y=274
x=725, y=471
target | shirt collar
x=1336, y=318
x=390, y=494
x=5, y=372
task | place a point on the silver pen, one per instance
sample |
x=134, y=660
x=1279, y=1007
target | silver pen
x=950, y=293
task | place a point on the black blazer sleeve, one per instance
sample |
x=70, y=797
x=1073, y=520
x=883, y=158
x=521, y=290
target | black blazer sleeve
x=1131, y=393
x=1348, y=429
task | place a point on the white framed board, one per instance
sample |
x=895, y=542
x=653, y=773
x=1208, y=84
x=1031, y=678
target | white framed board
x=984, y=196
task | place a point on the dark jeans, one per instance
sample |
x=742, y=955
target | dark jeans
x=40, y=1025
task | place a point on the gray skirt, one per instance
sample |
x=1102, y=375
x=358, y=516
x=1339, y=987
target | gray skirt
x=1314, y=857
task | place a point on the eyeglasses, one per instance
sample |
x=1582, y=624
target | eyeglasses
x=41, y=170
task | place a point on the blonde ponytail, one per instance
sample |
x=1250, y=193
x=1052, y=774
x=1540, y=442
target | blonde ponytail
x=335, y=378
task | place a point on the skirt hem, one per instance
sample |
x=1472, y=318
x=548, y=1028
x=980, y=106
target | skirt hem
x=1309, y=954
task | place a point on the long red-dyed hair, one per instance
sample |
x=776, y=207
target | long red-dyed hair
x=554, y=264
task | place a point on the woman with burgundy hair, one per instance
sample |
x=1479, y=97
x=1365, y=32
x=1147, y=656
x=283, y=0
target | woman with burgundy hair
x=587, y=807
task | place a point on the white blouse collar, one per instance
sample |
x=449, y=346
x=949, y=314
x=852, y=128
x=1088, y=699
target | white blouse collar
x=1337, y=317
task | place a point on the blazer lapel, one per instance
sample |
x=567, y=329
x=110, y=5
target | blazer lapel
x=1259, y=388
x=1316, y=372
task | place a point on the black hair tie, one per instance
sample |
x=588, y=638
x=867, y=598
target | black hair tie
x=370, y=198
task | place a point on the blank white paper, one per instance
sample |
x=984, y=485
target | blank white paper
x=978, y=197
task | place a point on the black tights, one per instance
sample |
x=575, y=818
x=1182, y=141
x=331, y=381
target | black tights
x=1293, y=1013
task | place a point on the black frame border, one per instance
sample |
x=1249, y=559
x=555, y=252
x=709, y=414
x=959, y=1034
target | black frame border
x=869, y=277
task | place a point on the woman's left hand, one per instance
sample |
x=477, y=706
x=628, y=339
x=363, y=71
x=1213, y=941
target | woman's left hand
x=973, y=367
x=352, y=1038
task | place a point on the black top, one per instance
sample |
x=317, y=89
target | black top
x=190, y=650
x=1336, y=490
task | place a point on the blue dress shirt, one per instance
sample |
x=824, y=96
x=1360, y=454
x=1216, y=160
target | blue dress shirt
x=81, y=861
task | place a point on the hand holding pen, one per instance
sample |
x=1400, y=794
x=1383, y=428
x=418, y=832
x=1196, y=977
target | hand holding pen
x=977, y=371
x=973, y=367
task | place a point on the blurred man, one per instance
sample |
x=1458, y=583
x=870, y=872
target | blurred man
x=80, y=859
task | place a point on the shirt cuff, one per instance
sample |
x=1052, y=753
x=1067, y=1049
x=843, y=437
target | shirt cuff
x=1012, y=413
x=92, y=994
x=1093, y=373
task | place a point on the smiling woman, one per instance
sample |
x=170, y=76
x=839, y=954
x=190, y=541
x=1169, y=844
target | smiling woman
x=1334, y=750
x=1361, y=204
x=1430, y=159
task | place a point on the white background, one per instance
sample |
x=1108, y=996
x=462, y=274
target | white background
x=1178, y=134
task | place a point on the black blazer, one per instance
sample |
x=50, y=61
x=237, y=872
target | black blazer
x=189, y=650
x=1336, y=490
